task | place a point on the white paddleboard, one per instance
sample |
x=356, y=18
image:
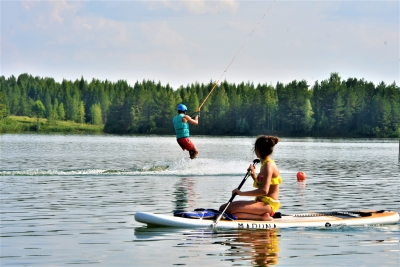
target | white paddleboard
x=313, y=219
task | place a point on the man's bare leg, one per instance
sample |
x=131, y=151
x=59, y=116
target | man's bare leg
x=193, y=153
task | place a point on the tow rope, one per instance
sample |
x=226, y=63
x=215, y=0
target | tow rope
x=248, y=37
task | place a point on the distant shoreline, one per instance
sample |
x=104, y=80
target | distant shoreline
x=24, y=124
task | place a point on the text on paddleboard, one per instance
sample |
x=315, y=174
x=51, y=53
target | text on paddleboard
x=256, y=225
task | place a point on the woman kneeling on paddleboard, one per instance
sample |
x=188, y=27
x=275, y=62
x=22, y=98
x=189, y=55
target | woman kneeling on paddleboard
x=266, y=202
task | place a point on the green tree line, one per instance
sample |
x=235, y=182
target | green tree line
x=331, y=107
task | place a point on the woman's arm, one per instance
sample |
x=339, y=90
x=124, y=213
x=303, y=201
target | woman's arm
x=252, y=170
x=266, y=172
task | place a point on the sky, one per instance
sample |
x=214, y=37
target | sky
x=184, y=42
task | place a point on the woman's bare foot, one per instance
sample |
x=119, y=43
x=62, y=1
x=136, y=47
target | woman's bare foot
x=266, y=217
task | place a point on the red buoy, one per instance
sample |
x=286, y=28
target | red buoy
x=301, y=176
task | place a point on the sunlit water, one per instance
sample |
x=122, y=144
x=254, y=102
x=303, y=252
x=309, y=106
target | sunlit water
x=68, y=199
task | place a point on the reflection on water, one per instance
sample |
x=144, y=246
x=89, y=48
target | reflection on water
x=370, y=246
x=260, y=248
x=238, y=247
x=183, y=194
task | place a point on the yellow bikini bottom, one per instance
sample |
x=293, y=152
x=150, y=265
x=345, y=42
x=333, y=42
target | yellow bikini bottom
x=275, y=204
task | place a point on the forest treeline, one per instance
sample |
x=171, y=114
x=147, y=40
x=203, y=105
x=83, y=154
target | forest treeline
x=329, y=108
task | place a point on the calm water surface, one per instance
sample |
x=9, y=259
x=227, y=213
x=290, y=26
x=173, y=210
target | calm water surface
x=68, y=199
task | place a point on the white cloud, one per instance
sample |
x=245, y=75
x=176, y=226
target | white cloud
x=59, y=7
x=58, y=22
x=200, y=6
x=98, y=32
x=12, y=56
x=161, y=35
x=27, y=5
x=85, y=55
x=172, y=62
x=46, y=14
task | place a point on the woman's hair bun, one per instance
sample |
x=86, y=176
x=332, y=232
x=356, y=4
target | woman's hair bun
x=273, y=140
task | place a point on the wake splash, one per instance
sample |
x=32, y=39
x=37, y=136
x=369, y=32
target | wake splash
x=182, y=167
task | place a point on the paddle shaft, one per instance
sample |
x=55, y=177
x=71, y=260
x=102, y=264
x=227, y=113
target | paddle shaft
x=240, y=186
x=234, y=195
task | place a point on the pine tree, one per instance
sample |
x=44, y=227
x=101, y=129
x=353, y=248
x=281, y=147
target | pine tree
x=96, y=115
x=81, y=112
x=61, y=111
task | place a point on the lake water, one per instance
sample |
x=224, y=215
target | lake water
x=71, y=200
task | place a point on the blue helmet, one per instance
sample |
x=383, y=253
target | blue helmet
x=182, y=107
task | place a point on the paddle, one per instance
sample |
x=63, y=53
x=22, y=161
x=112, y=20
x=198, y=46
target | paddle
x=234, y=195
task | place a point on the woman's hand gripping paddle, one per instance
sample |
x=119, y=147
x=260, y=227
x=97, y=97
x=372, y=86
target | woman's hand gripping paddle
x=234, y=195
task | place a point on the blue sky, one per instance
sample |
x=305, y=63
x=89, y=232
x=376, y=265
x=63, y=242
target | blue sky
x=183, y=42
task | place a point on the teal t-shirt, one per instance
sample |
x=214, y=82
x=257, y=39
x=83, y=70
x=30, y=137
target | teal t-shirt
x=181, y=128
